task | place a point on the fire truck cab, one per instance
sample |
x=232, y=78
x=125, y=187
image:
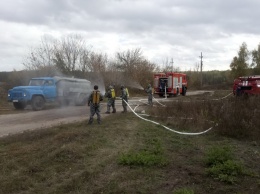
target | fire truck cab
x=247, y=85
x=170, y=84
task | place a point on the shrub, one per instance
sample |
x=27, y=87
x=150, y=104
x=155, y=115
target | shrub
x=236, y=117
x=216, y=155
x=222, y=166
x=226, y=171
x=152, y=155
x=239, y=118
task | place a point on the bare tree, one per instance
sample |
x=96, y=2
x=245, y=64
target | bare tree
x=144, y=75
x=167, y=66
x=129, y=61
x=67, y=53
x=41, y=58
x=98, y=62
x=134, y=66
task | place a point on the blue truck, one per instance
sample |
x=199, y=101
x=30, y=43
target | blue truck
x=42, y=90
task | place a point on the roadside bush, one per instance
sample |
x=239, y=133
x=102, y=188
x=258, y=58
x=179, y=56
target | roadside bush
x=3, y=93
x=189, y=115
x=236, y=117
x=239, y=118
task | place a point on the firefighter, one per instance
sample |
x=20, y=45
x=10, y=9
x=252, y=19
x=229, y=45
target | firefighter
x=94, y=102
x=127, y=93
x=124, y=99
x=149, y=91
x=111, y=97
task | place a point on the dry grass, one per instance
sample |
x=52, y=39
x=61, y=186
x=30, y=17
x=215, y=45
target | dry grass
x=235, y=117
x=78, y=158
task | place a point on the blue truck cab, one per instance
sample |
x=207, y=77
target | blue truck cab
x=55, y=89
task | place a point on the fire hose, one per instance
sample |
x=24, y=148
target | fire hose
x=172, y=130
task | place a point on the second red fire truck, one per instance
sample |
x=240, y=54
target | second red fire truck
x=247, y=85
x=170, y=84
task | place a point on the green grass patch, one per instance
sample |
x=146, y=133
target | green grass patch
x=184, y=191
x=222, y=165
x=152, y=155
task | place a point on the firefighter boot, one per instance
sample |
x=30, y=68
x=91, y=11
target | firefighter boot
x=125, y=110
x=108, y=109
x=114, y=110
x=90, y=121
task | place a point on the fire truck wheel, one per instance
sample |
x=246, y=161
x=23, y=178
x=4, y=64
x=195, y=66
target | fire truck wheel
x=245, y=96
x=38, y=103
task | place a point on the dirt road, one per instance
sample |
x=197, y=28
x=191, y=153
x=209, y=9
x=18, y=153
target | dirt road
x=30, y=120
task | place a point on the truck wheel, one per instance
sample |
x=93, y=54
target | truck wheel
x=38, y=103
x=19, y=105
x=80, y=100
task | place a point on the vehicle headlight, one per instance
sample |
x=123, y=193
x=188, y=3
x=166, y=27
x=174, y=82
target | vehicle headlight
x=8, y=95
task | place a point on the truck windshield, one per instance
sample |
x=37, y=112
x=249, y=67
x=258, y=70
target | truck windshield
x=36, y=82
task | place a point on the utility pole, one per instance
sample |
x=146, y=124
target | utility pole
x=172, y=64
x=201, y=64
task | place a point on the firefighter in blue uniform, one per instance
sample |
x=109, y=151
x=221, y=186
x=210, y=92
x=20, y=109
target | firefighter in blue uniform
x=124, y=96
x=111, y=97
x=149, y=91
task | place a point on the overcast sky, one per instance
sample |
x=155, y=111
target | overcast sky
x=173, y=29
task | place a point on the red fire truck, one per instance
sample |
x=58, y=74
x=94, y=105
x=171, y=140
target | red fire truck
x=170, y=84
x=247, y=85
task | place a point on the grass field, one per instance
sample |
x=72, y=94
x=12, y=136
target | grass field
x=127, y=155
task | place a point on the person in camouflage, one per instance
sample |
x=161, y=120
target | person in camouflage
x=94, y=102
x=111, y=97
x=149, y=91
x=124, y=99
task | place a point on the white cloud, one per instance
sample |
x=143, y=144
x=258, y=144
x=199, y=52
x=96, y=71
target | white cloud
x=178, y=29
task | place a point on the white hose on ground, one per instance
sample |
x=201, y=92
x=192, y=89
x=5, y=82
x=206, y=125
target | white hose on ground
x=182, y=133
x=223, y=97
x=158, y=102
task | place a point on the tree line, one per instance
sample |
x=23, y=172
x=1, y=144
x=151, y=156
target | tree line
x=71, y=56
x=241, y=65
